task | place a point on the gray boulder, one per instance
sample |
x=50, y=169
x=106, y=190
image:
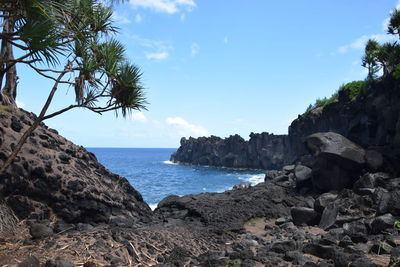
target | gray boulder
x=39, y=231
x=382, y=223
x=338, y=163
x=59, y=263
x=302, y=216
x=303, y=176
x=323, y=200
x=32, y=261
x=328, y=217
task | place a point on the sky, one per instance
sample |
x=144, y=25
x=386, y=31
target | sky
x=222, y=67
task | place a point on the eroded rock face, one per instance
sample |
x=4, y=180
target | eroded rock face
x=262, y=151
x=53, y=176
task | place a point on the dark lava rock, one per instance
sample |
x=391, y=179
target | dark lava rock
x=39, y=231
x=380, y=248
x=363, y=262
x=321, y=251
x=228, y=211
x=382, y=223
x=365, y=181
x=211, y=259
x=59, y=263
x=356, y=230
x=16, y=125
x=43, y=183
x=30, y=262
x=395, y=257
x=339, y=161
x=301, y=216
x=328, y=217
x=345, y=242
x=303, y=176
x=283, y=246
x=61, y=226
x=323, y=200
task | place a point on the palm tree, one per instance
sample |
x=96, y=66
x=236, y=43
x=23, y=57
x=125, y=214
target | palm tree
x=74, y=38
x=369, y=59
x=394, y=22
x=26, y=26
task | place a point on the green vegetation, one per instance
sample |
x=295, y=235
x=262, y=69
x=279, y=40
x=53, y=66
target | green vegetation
x=234, y=263
x=71, y=43
x=352, y=90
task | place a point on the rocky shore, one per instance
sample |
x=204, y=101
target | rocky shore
x=337, y=205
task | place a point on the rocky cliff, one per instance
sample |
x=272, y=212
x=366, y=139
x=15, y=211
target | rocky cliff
x=262, y=151
x=370, y=120
x=53, y=177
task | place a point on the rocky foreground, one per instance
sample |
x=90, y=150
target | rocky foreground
x=59, y=207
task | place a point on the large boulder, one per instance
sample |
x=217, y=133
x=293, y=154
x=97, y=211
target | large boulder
x=303, y=176
x=338, y=163
x=304, y=216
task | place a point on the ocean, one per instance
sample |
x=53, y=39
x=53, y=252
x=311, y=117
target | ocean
x=151, y=173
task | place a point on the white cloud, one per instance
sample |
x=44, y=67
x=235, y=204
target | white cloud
x=165, y=6
x=194, y=49
x=157, y=56
x=385, y=24
x=156, y=50
x=184, y=128
x=139, y=117
x=120, y=19
x=360, y=42
x=138, y=18
x=20, y=104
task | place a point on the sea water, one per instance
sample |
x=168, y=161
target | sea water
x=151, y=173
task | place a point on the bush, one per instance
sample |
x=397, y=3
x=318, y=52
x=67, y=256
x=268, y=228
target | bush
x=321, y=102
x=354, y=88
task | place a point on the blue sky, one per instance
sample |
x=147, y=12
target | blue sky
x=221, y=67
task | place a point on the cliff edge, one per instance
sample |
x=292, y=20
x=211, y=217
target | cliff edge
x=370, y=120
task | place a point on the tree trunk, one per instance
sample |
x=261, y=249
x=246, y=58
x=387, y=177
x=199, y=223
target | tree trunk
x=33, y=127
x=8, y=93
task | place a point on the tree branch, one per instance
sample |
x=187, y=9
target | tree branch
x=50, y=77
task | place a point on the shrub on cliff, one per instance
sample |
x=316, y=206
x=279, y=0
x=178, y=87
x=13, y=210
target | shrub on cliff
x=353, y=89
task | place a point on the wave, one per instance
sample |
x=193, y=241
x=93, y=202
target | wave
x=153, y=206
x=168, y=162
x=254, y=179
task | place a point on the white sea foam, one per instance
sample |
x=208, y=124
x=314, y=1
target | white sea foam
x=255, y=179
x=153, y=206
x=169, y=162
